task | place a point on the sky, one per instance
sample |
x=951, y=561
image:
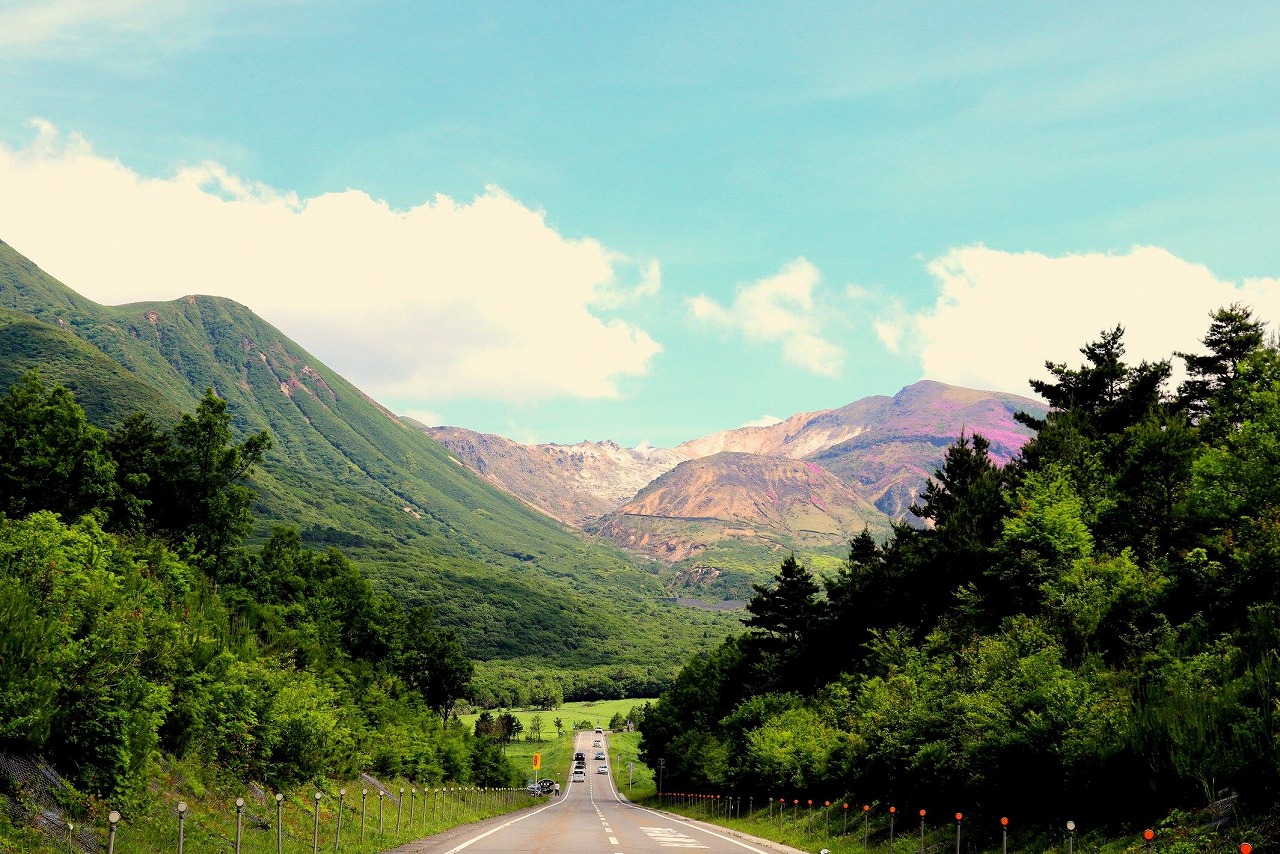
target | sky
x=647, y=222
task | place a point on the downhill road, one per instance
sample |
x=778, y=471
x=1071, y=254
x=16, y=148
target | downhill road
x=588, y=818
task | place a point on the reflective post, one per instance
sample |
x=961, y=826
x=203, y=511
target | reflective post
x=921, y=831
x=399, y=810
x=866, y=815
x=70, y=827
x=114, y=819
x=239, y=821
x=279, y=822
x=413, y=793
x=893, y=813
x=1004, y=835
x=380, y=793
x=1246, y=848
x=364, y=797
x=315, y=834
x=795, y=813
x=808, y=819
x=1071, y=841
x=182, y=820
x=337, y=836
x=826, y=812
x=845, y=830
x=959, y=818
x=1149, y=835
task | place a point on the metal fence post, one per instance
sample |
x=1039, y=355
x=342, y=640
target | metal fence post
x=399, y=810
x=239, y=821
x=182, y=820
x=337, y=836
x=279, y=822
x=114, y=819
x=364, y=799
x=315, y=834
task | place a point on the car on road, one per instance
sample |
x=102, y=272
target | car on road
x=603, y=769
x=599, y=730
x=595, y=743
x=579, y=757
x=600, y=754
x=579, y=775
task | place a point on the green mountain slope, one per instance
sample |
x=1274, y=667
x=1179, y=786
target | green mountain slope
x=345, y=471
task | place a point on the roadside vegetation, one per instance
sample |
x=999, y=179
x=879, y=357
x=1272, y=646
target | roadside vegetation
x=138, y=634
x=1087, y=633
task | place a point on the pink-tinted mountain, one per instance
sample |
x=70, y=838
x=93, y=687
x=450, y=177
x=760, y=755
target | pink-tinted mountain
x=884, y=448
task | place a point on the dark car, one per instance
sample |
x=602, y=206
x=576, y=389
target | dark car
x=579, y=757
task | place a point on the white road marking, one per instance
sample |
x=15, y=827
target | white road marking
x=669, y=837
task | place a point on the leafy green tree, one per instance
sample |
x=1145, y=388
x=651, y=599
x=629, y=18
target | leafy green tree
x=433, y=664
x=51, y=457
x=211, y=504
x=1212, y=394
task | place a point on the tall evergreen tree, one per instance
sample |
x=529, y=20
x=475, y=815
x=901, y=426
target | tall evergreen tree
x=1212, y=395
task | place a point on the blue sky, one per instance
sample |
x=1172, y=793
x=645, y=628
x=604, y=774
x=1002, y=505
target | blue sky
x=649, y=221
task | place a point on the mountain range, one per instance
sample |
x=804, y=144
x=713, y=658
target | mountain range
x=719, y=509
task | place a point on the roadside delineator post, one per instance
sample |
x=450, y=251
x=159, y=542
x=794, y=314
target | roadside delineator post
x=893, y=813
x=1071, y=840
x=182, y=820
x=1004, y=833
x=114, y=819
x=959, y=820
x=866, y=817
x=364, y=799
x=315, y=833
x=239, y=821
x=279, y=822
x=845, y=830
x=921, y=831
x=1149, y=835
x=1246, y=848
x=337, y=836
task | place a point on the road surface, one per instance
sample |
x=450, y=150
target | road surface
x=588, y=818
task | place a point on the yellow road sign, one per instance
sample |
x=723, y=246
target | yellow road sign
x=537, y=761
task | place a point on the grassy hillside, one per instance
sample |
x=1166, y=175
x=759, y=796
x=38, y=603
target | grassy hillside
x=346, y=472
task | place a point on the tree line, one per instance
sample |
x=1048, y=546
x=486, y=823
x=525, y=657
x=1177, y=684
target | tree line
x=135, y=624
x=1090, y=631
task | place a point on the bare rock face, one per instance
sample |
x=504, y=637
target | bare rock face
x=765, y=501
x=572, y=483
x=814, y=479
x=884, y=448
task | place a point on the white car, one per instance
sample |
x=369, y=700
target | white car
x=603, y=769
x=578, y=776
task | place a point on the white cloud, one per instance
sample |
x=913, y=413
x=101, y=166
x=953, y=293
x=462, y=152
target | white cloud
x=764, y=421
x=80, y=27
x=779, y=309
x=445, y=300
x=1000, y=315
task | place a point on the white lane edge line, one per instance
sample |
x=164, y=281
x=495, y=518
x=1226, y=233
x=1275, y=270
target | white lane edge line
x=666, y=817
x=492, y=831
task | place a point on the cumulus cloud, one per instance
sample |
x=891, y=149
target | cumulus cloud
x=447, y=299
x=781, y=309
x=1000, y=315
x=764, y=421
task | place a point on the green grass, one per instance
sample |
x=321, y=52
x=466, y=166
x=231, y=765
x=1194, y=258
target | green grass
x=210, y=823
x=624, y=747
x=595, y=711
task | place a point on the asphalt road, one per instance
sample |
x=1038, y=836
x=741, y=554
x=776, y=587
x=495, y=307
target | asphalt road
x=588, y=818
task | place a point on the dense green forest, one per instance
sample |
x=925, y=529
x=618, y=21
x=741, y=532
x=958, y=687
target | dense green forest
x=1089, y=632
x=136, y=626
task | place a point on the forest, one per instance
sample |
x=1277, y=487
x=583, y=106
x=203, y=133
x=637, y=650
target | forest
x=138, y=628
x=1088, y=632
